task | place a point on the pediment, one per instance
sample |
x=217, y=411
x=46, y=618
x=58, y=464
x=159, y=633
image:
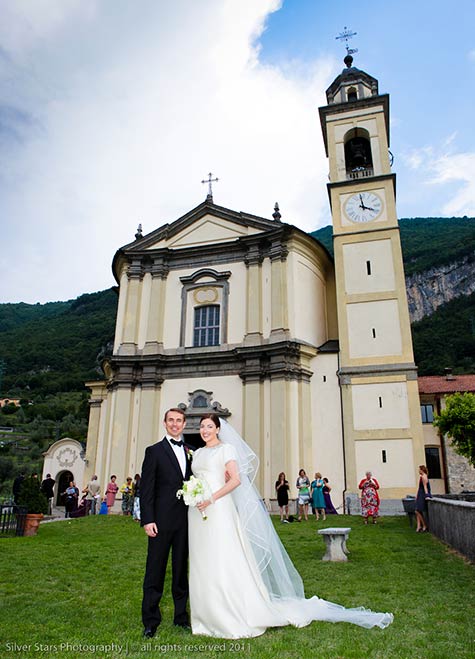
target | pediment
x=207, y=224
x=206, y=231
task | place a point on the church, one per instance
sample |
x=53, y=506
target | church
x=309, y=357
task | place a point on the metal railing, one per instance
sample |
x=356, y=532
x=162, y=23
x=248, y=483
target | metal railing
x=362, y=172
x=12, y=519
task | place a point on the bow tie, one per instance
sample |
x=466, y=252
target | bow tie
x=176, y=442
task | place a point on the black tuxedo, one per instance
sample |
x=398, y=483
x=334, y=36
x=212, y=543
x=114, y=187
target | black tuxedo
x=161, y=479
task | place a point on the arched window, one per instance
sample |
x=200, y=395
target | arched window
x=358, y=157
x=206, y=326
x=352, y=94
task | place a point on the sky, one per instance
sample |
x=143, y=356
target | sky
x=112, y=112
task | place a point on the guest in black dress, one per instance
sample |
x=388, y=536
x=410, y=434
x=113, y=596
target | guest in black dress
x=282, y=489
x=329, y=507
x=423, y=493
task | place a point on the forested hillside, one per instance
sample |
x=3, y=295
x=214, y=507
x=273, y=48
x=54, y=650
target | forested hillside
x=446, y=338
x=46, y=348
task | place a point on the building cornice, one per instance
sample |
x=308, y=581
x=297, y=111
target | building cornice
x=268, y=361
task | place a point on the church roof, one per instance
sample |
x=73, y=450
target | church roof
x=446, y=384
x=352, y=75
x=196, y=237
x=208, y=207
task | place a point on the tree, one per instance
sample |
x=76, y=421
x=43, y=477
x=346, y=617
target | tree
x=458, y=421
x=31, y=496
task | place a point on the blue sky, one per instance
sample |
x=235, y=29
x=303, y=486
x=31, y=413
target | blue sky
x=113, y=111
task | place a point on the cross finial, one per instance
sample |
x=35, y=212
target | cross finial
x=209, y=181
x=345, y=36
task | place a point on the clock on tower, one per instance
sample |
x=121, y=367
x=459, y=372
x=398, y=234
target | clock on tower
x=378, y=378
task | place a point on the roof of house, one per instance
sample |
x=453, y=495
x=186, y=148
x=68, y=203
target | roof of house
x=443, y=384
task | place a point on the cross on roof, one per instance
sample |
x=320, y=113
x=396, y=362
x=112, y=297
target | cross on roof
x=346, y=35
x=209, y=181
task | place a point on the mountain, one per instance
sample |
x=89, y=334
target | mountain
x=446, y=338
x=56, y=347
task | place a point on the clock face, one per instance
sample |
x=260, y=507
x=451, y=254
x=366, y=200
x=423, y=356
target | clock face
x=363, y=207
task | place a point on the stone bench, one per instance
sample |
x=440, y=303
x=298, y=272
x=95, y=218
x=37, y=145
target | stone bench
x=335, y=540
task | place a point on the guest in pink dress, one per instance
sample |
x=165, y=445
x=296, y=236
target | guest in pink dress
x=111, y=492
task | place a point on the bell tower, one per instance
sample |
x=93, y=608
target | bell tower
x=378, y=377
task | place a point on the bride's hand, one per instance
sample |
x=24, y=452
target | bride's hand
x=203, y=505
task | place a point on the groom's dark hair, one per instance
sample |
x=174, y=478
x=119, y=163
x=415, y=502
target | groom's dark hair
x=175, y=409
x=214, y=418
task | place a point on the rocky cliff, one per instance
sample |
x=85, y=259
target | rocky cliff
x=428, y=290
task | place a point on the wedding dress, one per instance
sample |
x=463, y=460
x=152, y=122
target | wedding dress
x=241, y=578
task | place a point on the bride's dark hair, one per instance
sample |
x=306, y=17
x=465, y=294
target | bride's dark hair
x=214, y=418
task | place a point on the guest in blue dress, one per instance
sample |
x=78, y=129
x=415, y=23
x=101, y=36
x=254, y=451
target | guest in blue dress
x=423, y=493
x=318, y=501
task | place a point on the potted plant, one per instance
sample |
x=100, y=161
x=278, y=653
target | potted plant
x=31, y=497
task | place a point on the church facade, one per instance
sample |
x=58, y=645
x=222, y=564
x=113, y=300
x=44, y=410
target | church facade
x=308, y=357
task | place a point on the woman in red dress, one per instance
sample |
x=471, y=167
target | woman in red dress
x=369, y=487
x=111, y=491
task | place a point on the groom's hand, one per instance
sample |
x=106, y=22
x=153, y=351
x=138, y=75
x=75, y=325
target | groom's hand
x=151, y=529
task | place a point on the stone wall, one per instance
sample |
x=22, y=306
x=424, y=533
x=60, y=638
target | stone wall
x=460, y=473
x=453, y=522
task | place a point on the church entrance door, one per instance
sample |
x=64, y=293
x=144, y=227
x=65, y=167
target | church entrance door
x=65, y=477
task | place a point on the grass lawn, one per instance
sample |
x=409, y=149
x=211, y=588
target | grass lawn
x=76, y=587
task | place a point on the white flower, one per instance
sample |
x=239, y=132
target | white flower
x=195, y=491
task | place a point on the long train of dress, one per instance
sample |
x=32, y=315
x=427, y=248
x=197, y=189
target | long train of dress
x=228, y=597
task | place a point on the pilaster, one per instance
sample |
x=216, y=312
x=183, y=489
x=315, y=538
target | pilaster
x=254, y=310
x=154, y=334
x=96, y=405
x=279, y=298
x=132, y=309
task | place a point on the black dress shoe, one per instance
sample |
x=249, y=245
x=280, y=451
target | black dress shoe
x=149, y=632
x=184, y=625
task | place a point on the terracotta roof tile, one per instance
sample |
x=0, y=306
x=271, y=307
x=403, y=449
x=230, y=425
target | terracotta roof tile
x=440, y=384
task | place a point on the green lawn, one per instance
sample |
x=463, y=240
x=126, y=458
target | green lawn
x=76, y=587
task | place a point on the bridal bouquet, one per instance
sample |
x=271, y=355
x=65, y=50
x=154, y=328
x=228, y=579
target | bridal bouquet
x=195, y=491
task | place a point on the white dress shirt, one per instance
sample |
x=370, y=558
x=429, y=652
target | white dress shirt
x=179, y=451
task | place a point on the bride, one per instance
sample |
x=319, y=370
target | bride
x=241, y=578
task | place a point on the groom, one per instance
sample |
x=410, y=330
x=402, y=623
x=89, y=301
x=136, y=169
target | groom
x=164, y=518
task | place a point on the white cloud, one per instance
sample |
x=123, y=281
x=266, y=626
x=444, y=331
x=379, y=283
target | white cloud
x=459, y=167
x=125, y=108
x=416, y=158
x=453, y=173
